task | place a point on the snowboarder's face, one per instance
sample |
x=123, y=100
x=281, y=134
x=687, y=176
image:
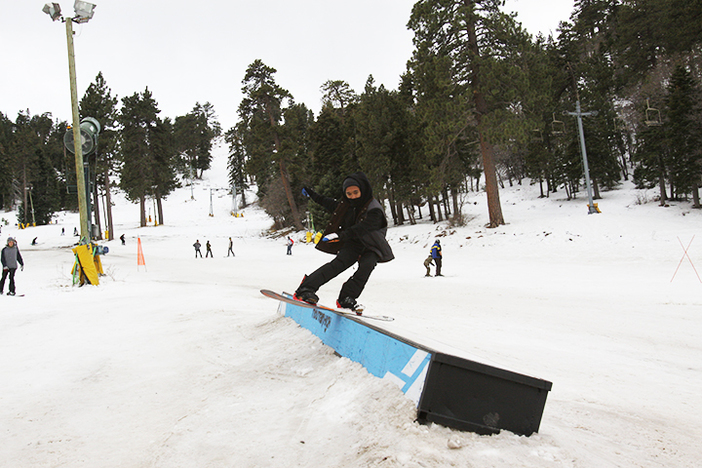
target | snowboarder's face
x=353, y=192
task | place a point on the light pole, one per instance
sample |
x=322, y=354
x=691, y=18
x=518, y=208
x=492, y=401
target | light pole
x=84, y=12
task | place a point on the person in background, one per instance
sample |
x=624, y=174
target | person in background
x=122, y=239
x=208, y=253
x=437, y=256
x=10, y=257
x=290, y=245
x=231, y=248
x=197, y=246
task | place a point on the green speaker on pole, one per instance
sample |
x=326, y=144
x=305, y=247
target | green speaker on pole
x=89, y=132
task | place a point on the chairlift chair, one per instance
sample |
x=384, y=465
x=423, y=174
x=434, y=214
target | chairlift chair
x=653, y=116
x=557, y=126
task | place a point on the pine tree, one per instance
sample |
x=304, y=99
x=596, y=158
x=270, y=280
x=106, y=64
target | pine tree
x=683, y=131
x=99, y=103
x=6, y=162
x=236, y=163
x=484, y=48
x=34, y=175
x=138, y=118
x=261, y=111
x=195, y=134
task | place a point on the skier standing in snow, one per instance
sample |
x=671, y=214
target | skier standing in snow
x=231, y=250
x=290, y=245
x=10, y=257
x=356, y=234
x=437, y=256
x=197, y=246
x=209, y=250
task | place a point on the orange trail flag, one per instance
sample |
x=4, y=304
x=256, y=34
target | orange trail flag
x=140, y=254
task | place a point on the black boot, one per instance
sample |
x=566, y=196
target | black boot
x=349, y=303
x=306, y=295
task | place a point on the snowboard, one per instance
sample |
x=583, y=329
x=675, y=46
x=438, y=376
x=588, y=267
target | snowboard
x=348, y=312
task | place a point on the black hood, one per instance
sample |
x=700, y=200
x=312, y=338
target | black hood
x=361, y=181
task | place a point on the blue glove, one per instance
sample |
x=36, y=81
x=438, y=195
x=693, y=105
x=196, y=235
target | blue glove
x=304, y=192
x=333, y=237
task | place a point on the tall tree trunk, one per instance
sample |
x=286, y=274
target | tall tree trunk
x=108, y=206
x=286, y=183
x=391, y=199
x=454, y=196
x=696, y=196
x=661, y=183
x=159, y=209
x=96, y=203
x=142, y=210
x=24, y=193
x=430, y=204
x=486, y=149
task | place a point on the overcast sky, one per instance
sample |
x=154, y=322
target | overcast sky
x=188, y=52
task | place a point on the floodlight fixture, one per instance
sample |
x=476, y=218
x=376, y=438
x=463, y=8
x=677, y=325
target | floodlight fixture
x=53, y=10
x=84, y=11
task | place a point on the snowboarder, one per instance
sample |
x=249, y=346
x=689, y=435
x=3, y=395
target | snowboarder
x=63, y=231
x=208, y=253
x=197, y=246
x=290, y=245
x=428, y=261
x=10, y=257
x=122, y=239
x=436, y=256
x=356, y=234
x=231, y=250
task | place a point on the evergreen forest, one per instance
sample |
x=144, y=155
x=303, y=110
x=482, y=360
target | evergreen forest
x=482, y=103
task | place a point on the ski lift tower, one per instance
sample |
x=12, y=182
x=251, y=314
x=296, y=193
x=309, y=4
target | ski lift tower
x=592, y=208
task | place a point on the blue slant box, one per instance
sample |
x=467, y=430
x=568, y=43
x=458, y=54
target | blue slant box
x=447, y=390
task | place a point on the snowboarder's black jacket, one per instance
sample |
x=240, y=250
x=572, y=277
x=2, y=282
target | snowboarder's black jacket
x=362, y=219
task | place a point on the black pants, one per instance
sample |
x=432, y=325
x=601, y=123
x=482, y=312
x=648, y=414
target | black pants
x=5, y=274
x=349, y=254
x=437, y=261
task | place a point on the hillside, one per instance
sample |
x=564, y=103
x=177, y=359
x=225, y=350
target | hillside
x=184, y=363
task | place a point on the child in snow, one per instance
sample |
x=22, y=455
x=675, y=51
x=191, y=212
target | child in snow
x=355, y=234
x=428, y=261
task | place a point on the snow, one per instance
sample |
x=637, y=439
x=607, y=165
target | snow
x=184, y=363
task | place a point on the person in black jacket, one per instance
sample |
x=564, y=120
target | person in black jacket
x=356, y=233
